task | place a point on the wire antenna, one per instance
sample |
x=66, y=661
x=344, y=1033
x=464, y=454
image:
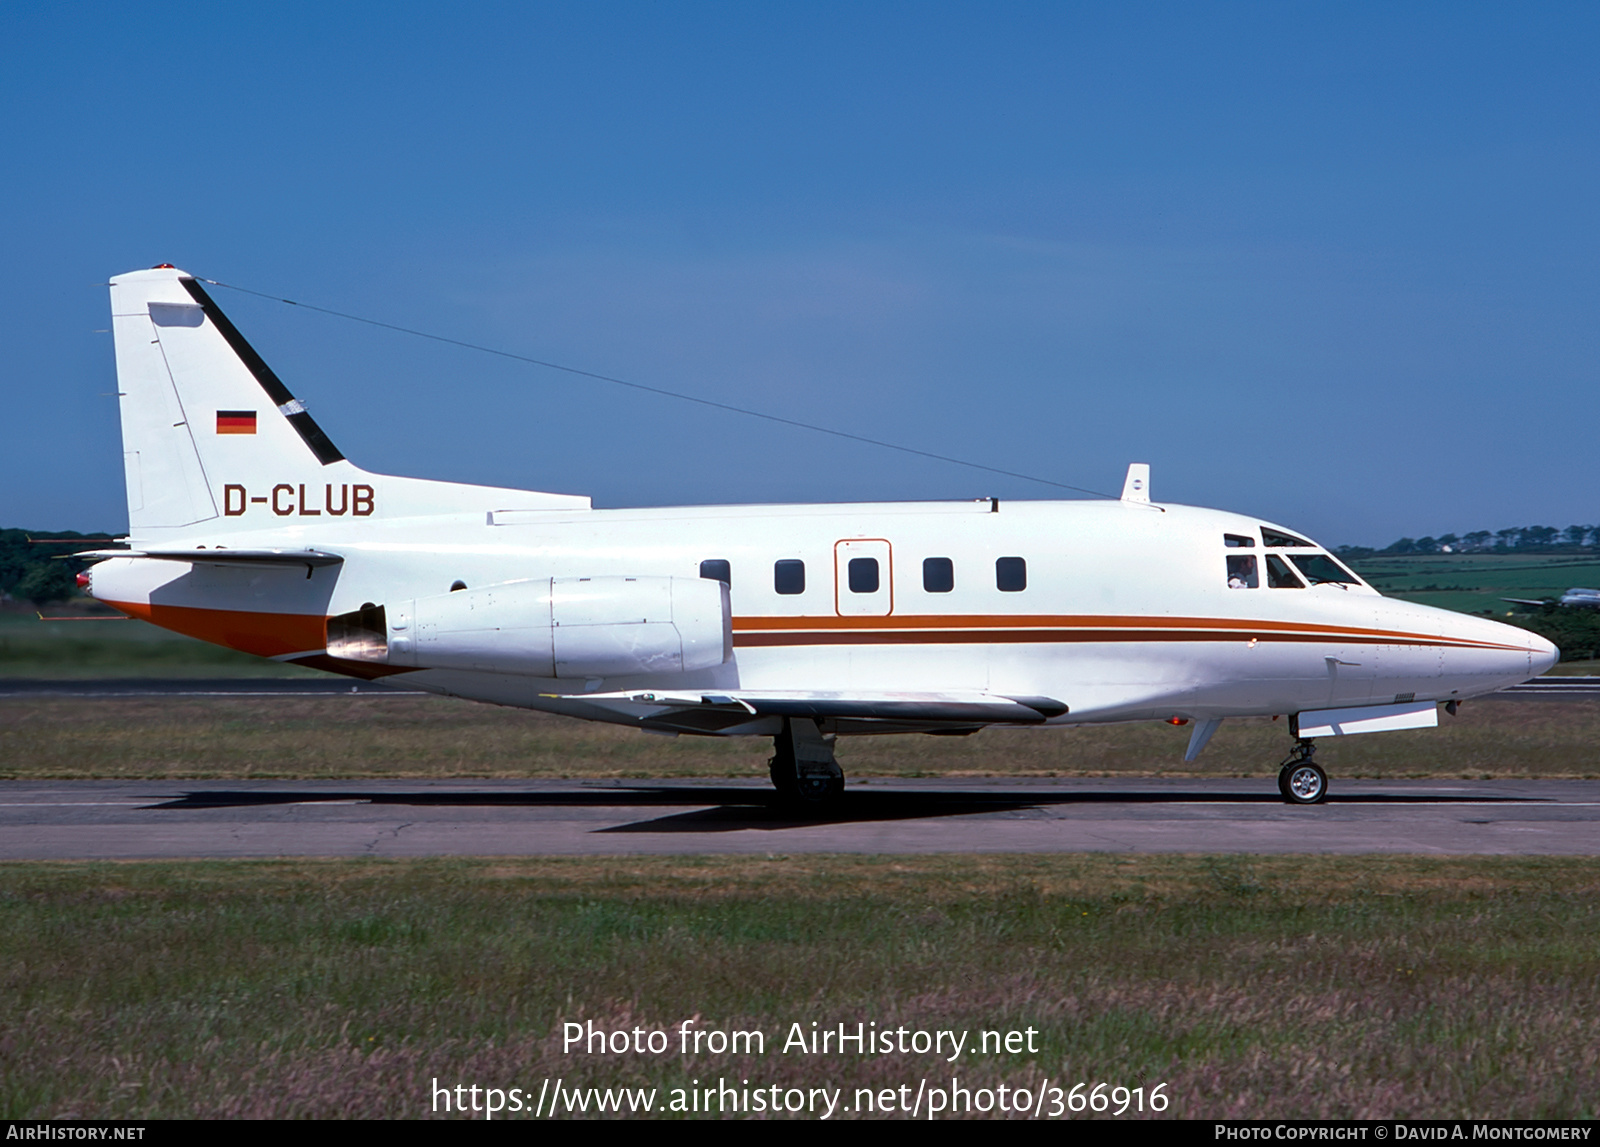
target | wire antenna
x=662, y=392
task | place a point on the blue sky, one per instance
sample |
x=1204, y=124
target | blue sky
x=1335, y=265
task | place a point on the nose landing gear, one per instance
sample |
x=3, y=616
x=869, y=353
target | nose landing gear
x=1300, y=779
x=803, y=767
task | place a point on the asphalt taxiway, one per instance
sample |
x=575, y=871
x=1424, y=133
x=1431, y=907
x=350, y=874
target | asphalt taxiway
x=211, y=819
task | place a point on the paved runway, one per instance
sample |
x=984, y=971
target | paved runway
x=130, y=819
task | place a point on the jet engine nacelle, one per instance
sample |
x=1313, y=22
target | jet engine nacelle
x=549, y=627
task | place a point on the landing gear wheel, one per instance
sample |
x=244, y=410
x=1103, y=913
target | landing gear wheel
x=1303, y=783
x=1300, y=779
x=819, y=790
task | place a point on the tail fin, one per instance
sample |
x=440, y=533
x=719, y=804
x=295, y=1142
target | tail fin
x=200, y=409
x=214, y=441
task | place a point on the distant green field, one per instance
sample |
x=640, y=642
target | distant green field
x=1472, y=583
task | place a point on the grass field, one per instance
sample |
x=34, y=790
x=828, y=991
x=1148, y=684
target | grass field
x=1268, y=987
x=398, y=737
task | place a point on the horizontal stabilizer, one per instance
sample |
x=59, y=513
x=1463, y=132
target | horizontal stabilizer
x=222, y=556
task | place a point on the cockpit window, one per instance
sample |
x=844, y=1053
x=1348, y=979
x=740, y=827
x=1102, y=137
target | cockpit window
x=1279, y=575
x=1242, y=571
x=1236, y=541
x=1271, y=537
x=1319, y=568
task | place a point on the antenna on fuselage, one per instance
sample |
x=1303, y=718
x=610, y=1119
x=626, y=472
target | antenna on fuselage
x=1136, y=487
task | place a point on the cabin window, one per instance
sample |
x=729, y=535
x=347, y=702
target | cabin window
x=1242, y=572
x=717, y=569
x=938, y=575
x=863, y=575
x=1010, y=575
x=1238, y=541
x=1321, y=568
x=1278, y=538
x=789, y=576
x=1279, y=576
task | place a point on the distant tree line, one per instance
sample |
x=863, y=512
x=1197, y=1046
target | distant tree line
x=1575, y=631
x=30, y=572
x=1516, y=540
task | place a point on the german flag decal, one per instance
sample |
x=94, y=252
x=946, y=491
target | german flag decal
x=236, y=422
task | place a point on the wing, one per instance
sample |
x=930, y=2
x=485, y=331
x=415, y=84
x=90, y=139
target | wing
x=720, y=712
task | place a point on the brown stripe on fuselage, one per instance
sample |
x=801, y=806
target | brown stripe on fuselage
x=1051, y=621
x=1068, y=636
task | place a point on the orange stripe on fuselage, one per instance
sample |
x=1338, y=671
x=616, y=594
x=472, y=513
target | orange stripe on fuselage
x=1051, y=621
x=264, y=634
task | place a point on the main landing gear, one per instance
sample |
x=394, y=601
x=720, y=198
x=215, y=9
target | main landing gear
x=1300, y=779
x=803, y=767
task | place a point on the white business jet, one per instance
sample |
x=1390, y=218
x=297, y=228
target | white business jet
x=248, y=528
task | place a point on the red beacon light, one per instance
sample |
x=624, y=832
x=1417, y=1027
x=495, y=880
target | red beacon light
x=163, y=267
x=1177, y=720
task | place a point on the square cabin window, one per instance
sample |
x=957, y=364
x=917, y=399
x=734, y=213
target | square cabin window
x=1010, y=575
x=863, y=575
x=789, y=576
x=717, y=569
x=938, y=575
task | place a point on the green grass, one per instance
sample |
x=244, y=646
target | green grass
x=415, y=737
x=1264, y=987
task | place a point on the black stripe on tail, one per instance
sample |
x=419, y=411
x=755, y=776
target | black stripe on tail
x=286, y=403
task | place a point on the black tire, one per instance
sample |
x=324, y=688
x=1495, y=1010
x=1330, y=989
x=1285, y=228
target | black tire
x=1304, y=783
x=1283, y=782
x=819, y=791
x=810, y=793
x=784, y=780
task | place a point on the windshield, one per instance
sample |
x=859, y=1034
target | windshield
x=1321, y=568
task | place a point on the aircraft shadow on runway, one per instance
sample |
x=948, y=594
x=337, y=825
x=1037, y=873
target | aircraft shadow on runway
x=733, y=809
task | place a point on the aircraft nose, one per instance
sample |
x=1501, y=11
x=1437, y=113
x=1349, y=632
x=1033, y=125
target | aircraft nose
x=1483, y=655
x=1540, y=653
x=1543, y=654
